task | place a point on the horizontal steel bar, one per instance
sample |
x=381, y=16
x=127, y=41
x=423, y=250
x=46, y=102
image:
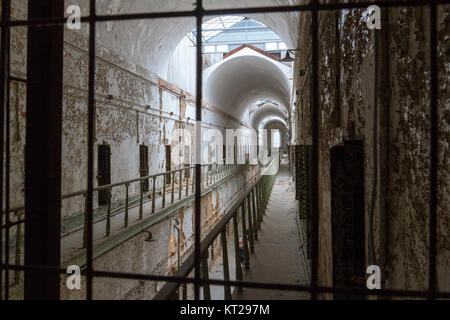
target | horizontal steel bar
x=224, y=11
x=245, y=284
x=117, y=184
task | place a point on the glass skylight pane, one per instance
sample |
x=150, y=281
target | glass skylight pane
x=271, y=46
x=210, y=49
x=222, y=48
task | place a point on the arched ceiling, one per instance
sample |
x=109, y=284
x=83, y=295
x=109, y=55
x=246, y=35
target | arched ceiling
x=238, y=83
x=266, y=110
x=275, y=123
x=151, y=42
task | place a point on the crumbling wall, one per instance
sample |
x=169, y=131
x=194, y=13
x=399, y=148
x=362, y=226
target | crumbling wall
x=382, y=98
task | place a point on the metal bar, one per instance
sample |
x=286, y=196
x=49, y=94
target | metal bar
x=237, y=251
x=108, y=215
x=43, y=151
x=172, y=196
x=433, y=152
x=205, y=271
x=246, y=284
x=19, y=243
x=181, y=184
x=193, y=180
x=164, y=192
x=250, y=226
x=126, y=204
x=255, y=215
x=91, y=142
x=85, y=228
x=245, y=238
x=154, y=195
x=232, y=11
x=198, y=175
x=226, y=270
x=5, y=65
x=315, y=149
x=187, y=181
x=3, y=81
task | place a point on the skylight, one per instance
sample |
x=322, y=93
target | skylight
x=217, y=25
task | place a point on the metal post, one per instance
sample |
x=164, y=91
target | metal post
x=260, y=201
x=85, y=231
x=181, y=184
x=141, y=199
x=154, y=195
x=187, y=181
x=237, y=255
x=164, y=191
x=206, y=287
x=245, y=238
x=250, y=226
x=108, y=214
x=43, y=151
x=255, y=215
x=193, y=180
x=172, y=198
x=126, y=204
x=226, y=271
x=4, y=104
x=19, y=238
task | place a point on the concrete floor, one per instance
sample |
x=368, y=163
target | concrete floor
x=278, y=256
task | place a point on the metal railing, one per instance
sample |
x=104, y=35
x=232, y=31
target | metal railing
x=173, y=186
x=250, y=207
x=313, y=7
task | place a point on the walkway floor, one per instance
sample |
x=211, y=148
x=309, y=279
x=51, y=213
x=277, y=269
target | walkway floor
x=278, y=253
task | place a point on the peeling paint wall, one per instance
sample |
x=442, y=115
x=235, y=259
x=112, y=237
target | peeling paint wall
x=133, y=107
x=394, y=99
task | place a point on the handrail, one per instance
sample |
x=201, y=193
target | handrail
x=169, y=289
x=112, y=185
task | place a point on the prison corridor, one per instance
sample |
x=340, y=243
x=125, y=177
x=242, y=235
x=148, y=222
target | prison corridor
x=279, y=251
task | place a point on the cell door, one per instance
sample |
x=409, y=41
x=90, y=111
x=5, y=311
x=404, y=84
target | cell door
x=347, y=215
x=143, y=166
x=104, y=172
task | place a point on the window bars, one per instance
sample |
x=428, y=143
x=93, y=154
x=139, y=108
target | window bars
x=314, y=7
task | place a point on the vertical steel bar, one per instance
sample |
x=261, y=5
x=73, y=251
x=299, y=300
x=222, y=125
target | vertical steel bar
x=260, y=200
x=237, y=251
x=127, y=186
x=164, y=191
x=181, y=184
x=108, y=214
x=245, y=238
x=433, y=152
x=6, y=12
x=19, y=243
x=226, y=270
x=91, y=141
x=3, y=82
x=255, y=214
x=85, y=228
x=250, y=226
x=154, y=195
x=187, y=181
x=193, y=180
x=141, y=199
x=205, y=271
x=43, y=145
x=198, y=174
x=172, y=197
x=315, y=149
